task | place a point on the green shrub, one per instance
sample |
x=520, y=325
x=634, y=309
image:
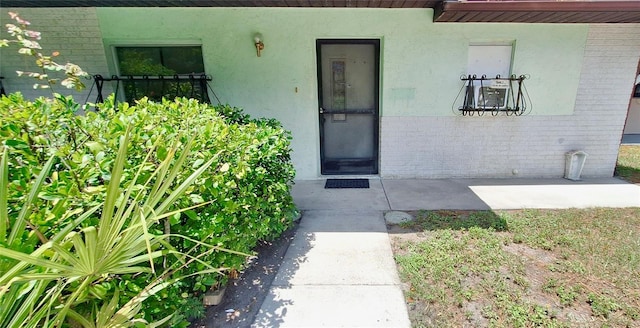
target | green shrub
x=71, y=278
x=247, y=184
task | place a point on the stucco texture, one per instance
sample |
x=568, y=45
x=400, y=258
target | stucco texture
x=421, y=62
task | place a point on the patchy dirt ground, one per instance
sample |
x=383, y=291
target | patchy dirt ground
x=244, y=296
x=538, y=267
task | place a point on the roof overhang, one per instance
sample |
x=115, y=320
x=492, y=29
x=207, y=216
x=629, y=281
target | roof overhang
x=224, y=3
x=462, y=11
x=538, y=11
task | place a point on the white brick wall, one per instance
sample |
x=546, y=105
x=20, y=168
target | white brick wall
x=435, y=147
x=74, y=32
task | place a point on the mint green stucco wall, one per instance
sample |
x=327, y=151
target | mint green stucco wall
x=421, y=62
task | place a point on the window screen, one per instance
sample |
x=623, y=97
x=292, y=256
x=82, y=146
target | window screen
x=160, y=60
x=489, y=61
x=162, y=68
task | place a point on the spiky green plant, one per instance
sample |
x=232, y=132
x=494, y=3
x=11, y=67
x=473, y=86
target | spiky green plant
x=61, y=282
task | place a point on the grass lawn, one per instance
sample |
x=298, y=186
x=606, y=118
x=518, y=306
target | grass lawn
x=550, y=268
x=628, y=166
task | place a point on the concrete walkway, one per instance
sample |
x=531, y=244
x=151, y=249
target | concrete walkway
x=339, y=269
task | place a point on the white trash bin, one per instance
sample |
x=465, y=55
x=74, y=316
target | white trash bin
x=574, y=162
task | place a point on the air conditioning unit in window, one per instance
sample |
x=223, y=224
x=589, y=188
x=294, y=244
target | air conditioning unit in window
x=493, y=95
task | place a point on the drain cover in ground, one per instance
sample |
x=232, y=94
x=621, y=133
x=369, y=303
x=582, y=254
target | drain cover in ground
x=346, y=183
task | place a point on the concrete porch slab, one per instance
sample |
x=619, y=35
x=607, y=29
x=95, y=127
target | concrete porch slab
x=556, y=193
x=484, y=194
x=311, y=195
x=436, y=194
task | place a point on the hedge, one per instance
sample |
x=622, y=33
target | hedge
x=247, y=188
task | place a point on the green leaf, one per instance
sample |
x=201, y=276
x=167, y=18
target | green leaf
x=27, y=207
x=94, y=146
x=191, y=214
x=161, y=152
x=174, y=219
x=34, y=260
x=4, y=182
x=196, y=199
x=209, y=281
x=197, y=163
x=50, y=196
x=18, y=144
x=114, y=184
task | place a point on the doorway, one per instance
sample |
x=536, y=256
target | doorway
x=348, y=98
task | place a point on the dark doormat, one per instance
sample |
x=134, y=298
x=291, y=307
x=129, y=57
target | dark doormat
x=346, y=183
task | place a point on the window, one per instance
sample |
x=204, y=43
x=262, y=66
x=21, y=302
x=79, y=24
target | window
x=490, y=61
x=162, y=71
x=489, y=85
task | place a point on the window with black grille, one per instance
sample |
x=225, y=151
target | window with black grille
x=162, y=72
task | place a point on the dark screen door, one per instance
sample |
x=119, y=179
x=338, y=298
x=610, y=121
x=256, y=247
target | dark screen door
x=348, y=82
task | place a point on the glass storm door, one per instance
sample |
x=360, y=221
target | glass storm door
x=348, y=83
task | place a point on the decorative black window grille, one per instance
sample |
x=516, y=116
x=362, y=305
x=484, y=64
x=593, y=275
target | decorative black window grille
x=496, y=95
x=160, y=72
x=169, y=87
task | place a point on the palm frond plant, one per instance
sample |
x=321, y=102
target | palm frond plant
x=71, y=278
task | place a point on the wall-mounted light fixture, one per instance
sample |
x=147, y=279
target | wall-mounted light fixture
x=257, y=39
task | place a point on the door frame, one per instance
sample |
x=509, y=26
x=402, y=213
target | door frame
x=376, y=92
